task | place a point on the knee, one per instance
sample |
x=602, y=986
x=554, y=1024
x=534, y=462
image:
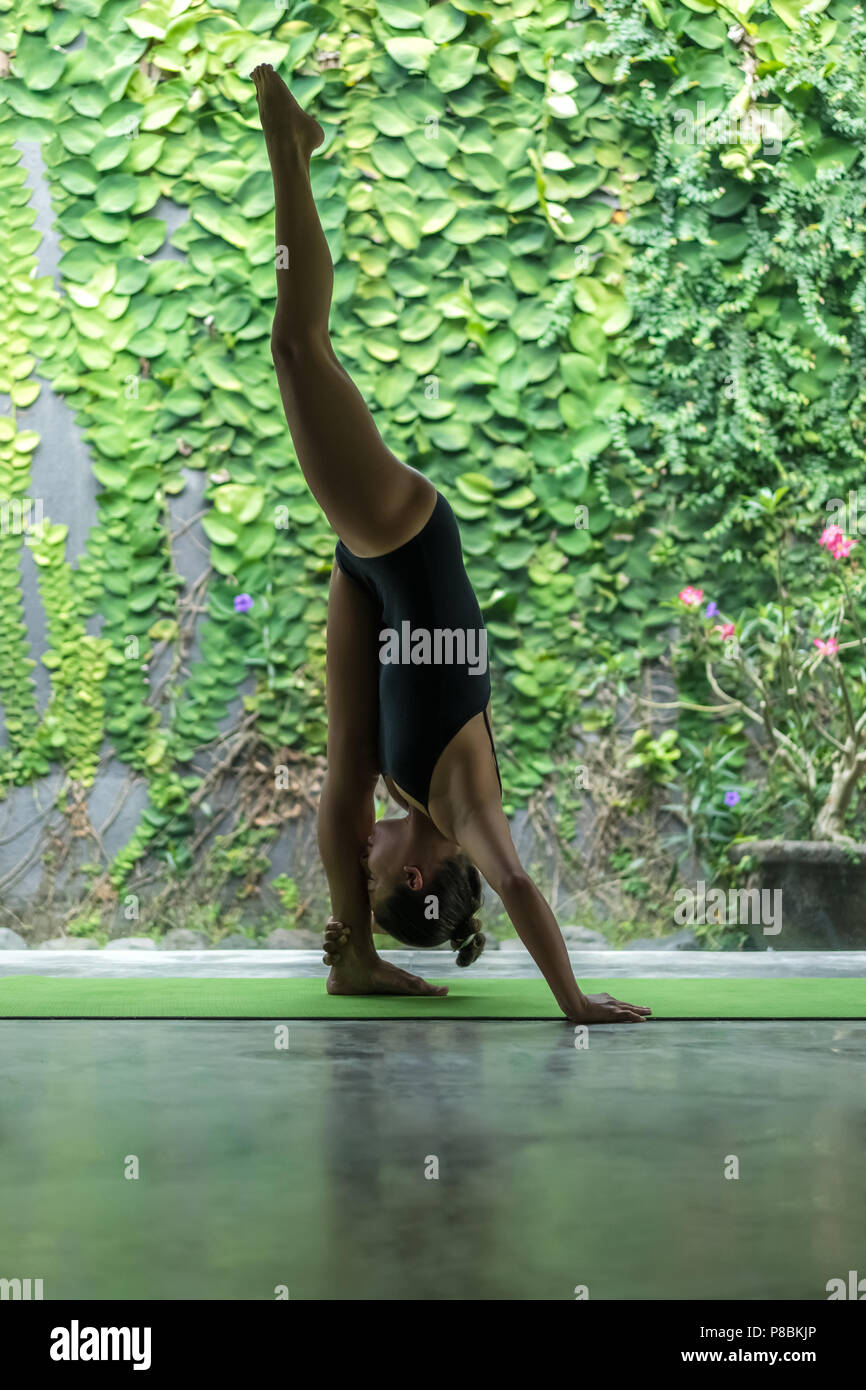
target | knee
x=290, y=348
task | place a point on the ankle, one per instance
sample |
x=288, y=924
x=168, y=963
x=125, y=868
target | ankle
x=286, y=149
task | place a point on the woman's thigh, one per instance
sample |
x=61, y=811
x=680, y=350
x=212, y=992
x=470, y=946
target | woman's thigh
x=372, y=500
x=352, y=680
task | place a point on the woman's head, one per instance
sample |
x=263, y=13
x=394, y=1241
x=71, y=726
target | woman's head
x=421, y=892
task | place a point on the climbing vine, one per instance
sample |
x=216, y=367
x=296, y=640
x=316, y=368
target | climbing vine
x=598, y=272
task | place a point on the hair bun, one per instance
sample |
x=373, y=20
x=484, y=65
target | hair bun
x=471, y=950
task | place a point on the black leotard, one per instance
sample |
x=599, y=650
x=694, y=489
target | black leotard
x=422, y=587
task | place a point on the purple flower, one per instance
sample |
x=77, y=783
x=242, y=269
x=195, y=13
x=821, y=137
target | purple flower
x=243, y=603
x=731, y=798
x=711, y=609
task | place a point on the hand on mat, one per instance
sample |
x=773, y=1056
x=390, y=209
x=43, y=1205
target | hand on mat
x=603, y=1008
x=368, y=974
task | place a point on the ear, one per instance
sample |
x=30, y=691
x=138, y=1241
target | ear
x=414, y=877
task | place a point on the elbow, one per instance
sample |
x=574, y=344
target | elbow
x=512, y=882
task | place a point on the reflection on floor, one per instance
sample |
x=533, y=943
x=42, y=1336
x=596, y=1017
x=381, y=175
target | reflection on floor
x=399, y=1160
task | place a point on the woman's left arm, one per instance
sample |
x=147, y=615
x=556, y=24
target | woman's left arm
x=484, y=835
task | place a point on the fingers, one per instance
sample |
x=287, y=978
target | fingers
x=621, y=1003
x=336, y=939
x=636, y=1008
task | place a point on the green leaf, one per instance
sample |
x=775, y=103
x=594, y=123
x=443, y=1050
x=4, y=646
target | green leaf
x=77, y=135
x=393, y=386
x=161, y=111
x=442, y=23
x=418, y=323
x=117, y=194
x=108, y=153
x=450, y=435
x=77, y=176
x=485, y=172
x=788, y=11
x=452, y=66
x=255, y=196
x=589, y=440
x=146, y=235
x=111, y=475
x=392, y=158
x=148, y=26
x=144, y=151
x=222, y=529
x=833, y=151
x=224, y=174
x=402, y=14
x=219, y=371
x=731, y=241
x=239, y=500
x=140, y=600
x=254, y=542
x=24, y=393
x=465, y=229
x=656, y=13
x=517, y=499
x=36, y=63
x=414, y=53
x=708, y=31
x=476, y=487
x=401, y=228
x=108, y=230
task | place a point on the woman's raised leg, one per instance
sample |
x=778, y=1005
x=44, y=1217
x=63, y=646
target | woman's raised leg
x=372, y=500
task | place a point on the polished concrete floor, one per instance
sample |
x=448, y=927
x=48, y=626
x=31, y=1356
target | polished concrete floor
x=312, y=1167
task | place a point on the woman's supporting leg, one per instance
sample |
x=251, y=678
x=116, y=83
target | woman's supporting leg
x=372, y=500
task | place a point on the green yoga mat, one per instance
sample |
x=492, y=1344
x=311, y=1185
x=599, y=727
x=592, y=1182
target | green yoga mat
x=39, y=996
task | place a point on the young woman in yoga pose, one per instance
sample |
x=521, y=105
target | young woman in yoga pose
x=423, y=724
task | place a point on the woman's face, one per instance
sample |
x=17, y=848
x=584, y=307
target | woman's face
x=384, y=859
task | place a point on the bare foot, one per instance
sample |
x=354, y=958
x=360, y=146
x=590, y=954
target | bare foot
x=280, y=114
x=363, y=972
x=379, y=977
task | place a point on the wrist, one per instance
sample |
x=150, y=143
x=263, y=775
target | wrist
x=574, y=1006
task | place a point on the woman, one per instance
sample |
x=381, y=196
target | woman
x=407, y=683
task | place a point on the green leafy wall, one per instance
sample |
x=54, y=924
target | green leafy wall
x=600, y=340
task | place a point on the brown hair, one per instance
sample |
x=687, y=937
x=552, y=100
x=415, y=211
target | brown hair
x=456, y=886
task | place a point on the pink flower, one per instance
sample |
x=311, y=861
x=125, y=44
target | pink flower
x=725, y=629
x=830, y=535
x=842, y=549
x=691, y=597
x=838, y=544
x=828, y=648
